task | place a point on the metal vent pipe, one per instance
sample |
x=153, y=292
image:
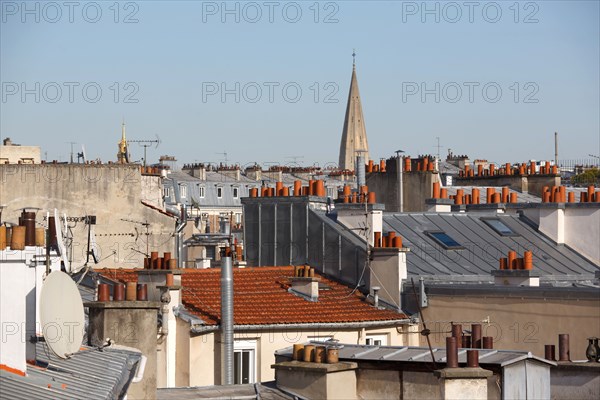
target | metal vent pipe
x=226, y=321
x=360, y=168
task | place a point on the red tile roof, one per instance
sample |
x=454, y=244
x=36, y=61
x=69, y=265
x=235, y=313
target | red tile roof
x=261, y=297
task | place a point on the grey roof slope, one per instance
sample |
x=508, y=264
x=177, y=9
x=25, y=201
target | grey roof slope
x=89, y=374
x=264, y=391
x=354, y=352
x=213, y=180
x=482, y=246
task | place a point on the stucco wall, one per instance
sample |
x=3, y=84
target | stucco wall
x=111, y=192
x=417, y=187
x=16, y=154
x=525, y=324
x=204, y=350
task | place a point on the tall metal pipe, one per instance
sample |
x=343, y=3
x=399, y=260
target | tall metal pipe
x=360, y=168
x=226, y=321
x=399, y=167
x=556, y=149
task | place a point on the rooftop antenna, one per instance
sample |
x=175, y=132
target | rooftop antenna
x=62, y=248
x=438, y=147
x=72, y=143
x=145, y=224
x=556, y=148
x=146, y=143
x=295, y=158
x=224, y=154
x=92, y=248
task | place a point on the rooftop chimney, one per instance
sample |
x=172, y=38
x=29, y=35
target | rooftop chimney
x=305, y=284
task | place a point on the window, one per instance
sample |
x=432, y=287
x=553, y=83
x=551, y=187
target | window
x=236, y=192
x=445, y=240
x=211, y=252
x=183, y=191
x=244, y=361
x=500, y=227
x=219, y=192
x=238, y=218
x=166, y=192
x=376, y=340
x=331, y=192
x=201, y=191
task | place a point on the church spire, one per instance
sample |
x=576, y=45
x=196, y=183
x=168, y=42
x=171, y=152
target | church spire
x=123, y=154
x=354, y=133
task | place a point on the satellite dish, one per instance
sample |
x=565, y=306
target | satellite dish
x=61, y=314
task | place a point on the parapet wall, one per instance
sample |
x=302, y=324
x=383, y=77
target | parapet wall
x=111, y=192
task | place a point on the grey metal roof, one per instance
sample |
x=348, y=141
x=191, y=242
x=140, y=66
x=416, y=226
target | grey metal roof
x=250, y=391
x=353, y=352
x=88, y=374
x=482, y=246
x=215, y=180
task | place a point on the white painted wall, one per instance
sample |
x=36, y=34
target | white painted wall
x=582, y=231
x=354, y=218
x=577, y=227
x=204, y=360
x=13, y=282
x=22, y=274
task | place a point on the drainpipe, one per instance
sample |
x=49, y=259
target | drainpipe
x=226, y=321
x=179, y=236
x=165, y=299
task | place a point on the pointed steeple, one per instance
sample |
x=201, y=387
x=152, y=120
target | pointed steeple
x=354, y=134
x=123, y=154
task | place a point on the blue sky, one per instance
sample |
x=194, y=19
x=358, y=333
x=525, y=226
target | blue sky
x=267, y=81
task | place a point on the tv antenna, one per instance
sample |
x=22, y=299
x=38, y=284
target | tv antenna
x=72, y=143
x=145, y=143
x=295, y=158
x=438, y=146
x=224, y=154
x=62, y=248
x=147, y=226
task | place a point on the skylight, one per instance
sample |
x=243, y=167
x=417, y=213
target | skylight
x=445, y=240
x=500, y=227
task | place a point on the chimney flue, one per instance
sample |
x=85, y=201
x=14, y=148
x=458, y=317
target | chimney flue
x=376, y=296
